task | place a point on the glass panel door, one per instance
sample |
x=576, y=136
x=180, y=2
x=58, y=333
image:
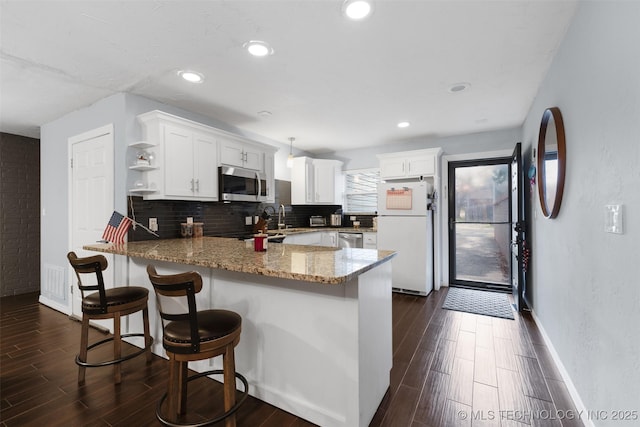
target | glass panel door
x=479, y=224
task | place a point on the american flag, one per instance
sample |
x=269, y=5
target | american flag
x=117, y=228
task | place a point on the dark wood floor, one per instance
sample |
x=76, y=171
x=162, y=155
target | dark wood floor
x=448, y=367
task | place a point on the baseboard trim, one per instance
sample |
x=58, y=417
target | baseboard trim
x=573, y=392
x=54, y=305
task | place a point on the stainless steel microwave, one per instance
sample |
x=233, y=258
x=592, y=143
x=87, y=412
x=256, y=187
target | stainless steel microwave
x=244, y=185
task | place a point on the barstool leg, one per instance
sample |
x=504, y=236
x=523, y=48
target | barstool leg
x=229, y=367
x=172, y=389
x=147, y=334
x=84, y=343
x=182, y=396
x=117, y=347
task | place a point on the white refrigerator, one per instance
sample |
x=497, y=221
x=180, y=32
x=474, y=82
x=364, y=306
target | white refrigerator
x=405, y=225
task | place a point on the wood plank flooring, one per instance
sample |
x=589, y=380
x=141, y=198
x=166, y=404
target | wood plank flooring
x=449, y=369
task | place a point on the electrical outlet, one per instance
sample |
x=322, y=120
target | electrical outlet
x=247, y=220
x=153, y=224
x=352, y=218
x=189, y=220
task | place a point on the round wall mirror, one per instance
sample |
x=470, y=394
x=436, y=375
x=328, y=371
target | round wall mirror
x=551, y=162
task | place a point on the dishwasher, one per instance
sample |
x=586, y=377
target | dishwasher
x=349, y=240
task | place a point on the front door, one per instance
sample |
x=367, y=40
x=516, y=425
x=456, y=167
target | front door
x=479, y=224
x=91, y=198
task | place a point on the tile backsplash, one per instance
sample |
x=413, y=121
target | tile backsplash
x=219, y=218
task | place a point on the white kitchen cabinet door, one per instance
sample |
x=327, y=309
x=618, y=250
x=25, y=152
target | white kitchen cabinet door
x=236, y=153
x=313, y=238
x=178, y=167
x=316, y=182
x=329, y=238
x=231, y=153
x=205, y=170
x=392, y=168
x=370, y=241
x=326, y=179
x=421, y=166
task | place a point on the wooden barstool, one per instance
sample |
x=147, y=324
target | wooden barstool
x=189, y=334
x=108, y=304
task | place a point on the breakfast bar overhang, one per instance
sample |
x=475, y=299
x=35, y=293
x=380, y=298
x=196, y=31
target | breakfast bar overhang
x=316, y=321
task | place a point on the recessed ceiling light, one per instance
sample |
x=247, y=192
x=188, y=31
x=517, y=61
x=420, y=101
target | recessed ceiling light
x=356, y=9
x=404, y=124
x=459, y=87
x=258, y=48
x=191, y=76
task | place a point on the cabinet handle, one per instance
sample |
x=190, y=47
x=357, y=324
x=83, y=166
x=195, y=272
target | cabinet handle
x=402, y=167
x=197, y=185
x=192, y=185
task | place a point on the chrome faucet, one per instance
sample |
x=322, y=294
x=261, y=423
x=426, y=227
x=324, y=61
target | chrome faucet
x=281, y=215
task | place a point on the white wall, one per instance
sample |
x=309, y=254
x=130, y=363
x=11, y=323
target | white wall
x=585, y=290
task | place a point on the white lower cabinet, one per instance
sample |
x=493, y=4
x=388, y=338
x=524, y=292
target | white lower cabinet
x=329, y=238
x=313, y=238
x=370, y=240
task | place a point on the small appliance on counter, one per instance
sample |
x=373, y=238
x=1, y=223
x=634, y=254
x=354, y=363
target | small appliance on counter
x=317, y=221
x=336, y=220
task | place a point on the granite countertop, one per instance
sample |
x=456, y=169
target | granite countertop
x=317, y=264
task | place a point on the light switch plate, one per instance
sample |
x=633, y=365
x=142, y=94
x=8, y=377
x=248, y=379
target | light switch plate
x=247, y=220
x=613, y=219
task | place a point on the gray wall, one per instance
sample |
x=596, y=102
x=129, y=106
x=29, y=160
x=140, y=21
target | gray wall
x=20, y=214
x=585, y=291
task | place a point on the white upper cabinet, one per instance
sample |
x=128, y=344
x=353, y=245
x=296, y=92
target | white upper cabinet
x=191, y=172
x=409, y=164
x=238, y=153
x=316, y=182
x=186, y=156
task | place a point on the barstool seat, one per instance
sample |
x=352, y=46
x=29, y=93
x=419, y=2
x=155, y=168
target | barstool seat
x=108, y=304
x=189, y=334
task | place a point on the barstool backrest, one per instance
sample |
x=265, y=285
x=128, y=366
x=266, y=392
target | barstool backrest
x=176, y=300
x=95, y=264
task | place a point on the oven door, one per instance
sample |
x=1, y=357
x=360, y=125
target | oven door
x=238, y=184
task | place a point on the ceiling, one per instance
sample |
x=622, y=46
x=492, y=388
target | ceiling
x=332, y=83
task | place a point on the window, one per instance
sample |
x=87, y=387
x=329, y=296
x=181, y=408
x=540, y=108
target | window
x=361, y=191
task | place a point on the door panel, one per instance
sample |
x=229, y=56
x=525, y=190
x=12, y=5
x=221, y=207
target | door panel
x=91, y=199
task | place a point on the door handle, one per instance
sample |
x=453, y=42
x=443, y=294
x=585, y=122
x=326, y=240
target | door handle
x=259, y=186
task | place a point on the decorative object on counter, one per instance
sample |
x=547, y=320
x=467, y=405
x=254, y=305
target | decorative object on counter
x=195, y=335
x=198, y=229
x=110, y=303
x=260, y=242
x=552, y=162
x=186, y=229
x=356, y=224
x=117, y=228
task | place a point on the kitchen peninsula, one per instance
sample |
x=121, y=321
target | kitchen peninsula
x=316, y=332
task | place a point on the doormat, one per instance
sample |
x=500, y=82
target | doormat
x=479, y=302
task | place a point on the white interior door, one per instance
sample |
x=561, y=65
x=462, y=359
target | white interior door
x=91, y=198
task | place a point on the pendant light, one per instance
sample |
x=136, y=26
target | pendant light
x=290, y=158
